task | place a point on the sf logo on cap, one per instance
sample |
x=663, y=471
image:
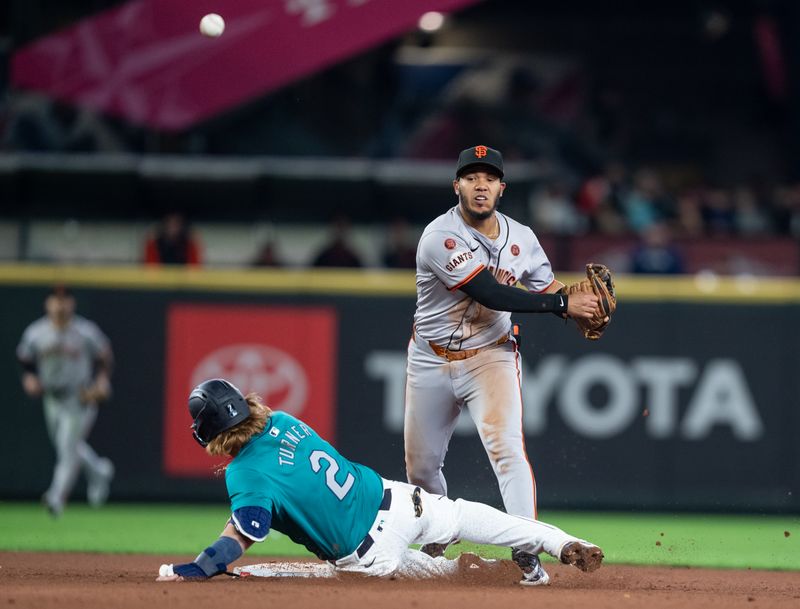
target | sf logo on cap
x=480, y=151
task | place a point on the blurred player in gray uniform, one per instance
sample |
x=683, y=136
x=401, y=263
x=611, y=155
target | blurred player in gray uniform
x=463, y=353
x=66, y=359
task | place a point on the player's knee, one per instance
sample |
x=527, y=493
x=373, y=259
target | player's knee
x=501, y=442
x=421, y=471
x=504, y=459
x=67, y=454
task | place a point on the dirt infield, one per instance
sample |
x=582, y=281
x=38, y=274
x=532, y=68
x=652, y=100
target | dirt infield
x=86, y=581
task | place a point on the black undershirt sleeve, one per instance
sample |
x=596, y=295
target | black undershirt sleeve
x=28, y=366
x=485, y=289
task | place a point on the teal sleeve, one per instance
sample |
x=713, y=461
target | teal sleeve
x=244, y=489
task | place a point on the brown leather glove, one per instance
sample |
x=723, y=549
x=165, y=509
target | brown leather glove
x=600, y=283
x=99, y=391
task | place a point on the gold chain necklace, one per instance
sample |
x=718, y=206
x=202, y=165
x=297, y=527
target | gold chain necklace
x=496, y=232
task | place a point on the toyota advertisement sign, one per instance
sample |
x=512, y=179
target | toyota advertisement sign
x=287, y=356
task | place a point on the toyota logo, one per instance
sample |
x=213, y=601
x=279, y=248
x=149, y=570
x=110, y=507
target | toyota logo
x=273, y=374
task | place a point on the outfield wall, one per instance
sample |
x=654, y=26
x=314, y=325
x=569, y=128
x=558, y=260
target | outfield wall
x=688, y=402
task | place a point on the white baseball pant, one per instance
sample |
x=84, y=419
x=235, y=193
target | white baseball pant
x=68, y=424
x=442, y=520
x=488, y=385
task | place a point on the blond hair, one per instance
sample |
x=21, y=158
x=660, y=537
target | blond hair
x=230, y=441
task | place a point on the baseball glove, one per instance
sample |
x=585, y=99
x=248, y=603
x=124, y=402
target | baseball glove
x=99, y=391
x=600, y=283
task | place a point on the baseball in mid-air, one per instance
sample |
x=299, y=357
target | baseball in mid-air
x=212, y=25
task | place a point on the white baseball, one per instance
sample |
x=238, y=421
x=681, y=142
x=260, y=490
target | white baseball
x=165, y=571
x=212, y=25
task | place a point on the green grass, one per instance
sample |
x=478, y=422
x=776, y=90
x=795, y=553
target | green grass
x=125, y=528
x=697, y=540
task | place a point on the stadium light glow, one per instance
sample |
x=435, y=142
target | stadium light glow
x=431, y=21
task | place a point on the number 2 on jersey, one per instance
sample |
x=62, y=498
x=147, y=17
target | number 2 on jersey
x=340, y=490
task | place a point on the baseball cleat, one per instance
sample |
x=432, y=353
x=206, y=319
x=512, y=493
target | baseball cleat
x=582, y=554
x=533, y=574
x=53, y=506
x=434, y=550
x=99, y=483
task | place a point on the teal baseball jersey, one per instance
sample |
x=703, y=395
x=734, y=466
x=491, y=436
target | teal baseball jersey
x=316, y=496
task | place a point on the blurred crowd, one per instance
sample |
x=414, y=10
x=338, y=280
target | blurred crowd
x=173, y=242
x=622, y=152
x=617, y=201
x=636, y=213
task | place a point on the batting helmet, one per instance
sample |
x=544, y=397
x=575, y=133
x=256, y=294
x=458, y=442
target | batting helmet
x=215, y=405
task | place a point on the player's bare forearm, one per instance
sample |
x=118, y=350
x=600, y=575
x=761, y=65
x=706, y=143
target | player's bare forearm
x=100, y=388
x=31, y=384
x=554, y=287
x=230, y=531
x=98, y=391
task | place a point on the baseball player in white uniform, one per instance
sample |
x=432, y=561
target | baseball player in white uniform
x=66, y=359
x=463, y=353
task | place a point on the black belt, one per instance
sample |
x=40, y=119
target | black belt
x=365, y=545
x=60, y=393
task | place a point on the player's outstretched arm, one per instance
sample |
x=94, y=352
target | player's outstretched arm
x=485, y=289
x=31, y=384
x=100, y=388
x=30, y=377
x=212, y=561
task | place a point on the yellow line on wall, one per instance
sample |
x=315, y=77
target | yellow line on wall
x=355, y=282
x=701, y=288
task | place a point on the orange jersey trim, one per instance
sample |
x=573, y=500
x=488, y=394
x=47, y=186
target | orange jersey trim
x=468, y=278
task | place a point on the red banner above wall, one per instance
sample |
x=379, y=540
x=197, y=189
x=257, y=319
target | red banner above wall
x=147, y=62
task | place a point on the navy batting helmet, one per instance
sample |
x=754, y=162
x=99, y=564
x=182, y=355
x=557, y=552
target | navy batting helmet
x=215, y=405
